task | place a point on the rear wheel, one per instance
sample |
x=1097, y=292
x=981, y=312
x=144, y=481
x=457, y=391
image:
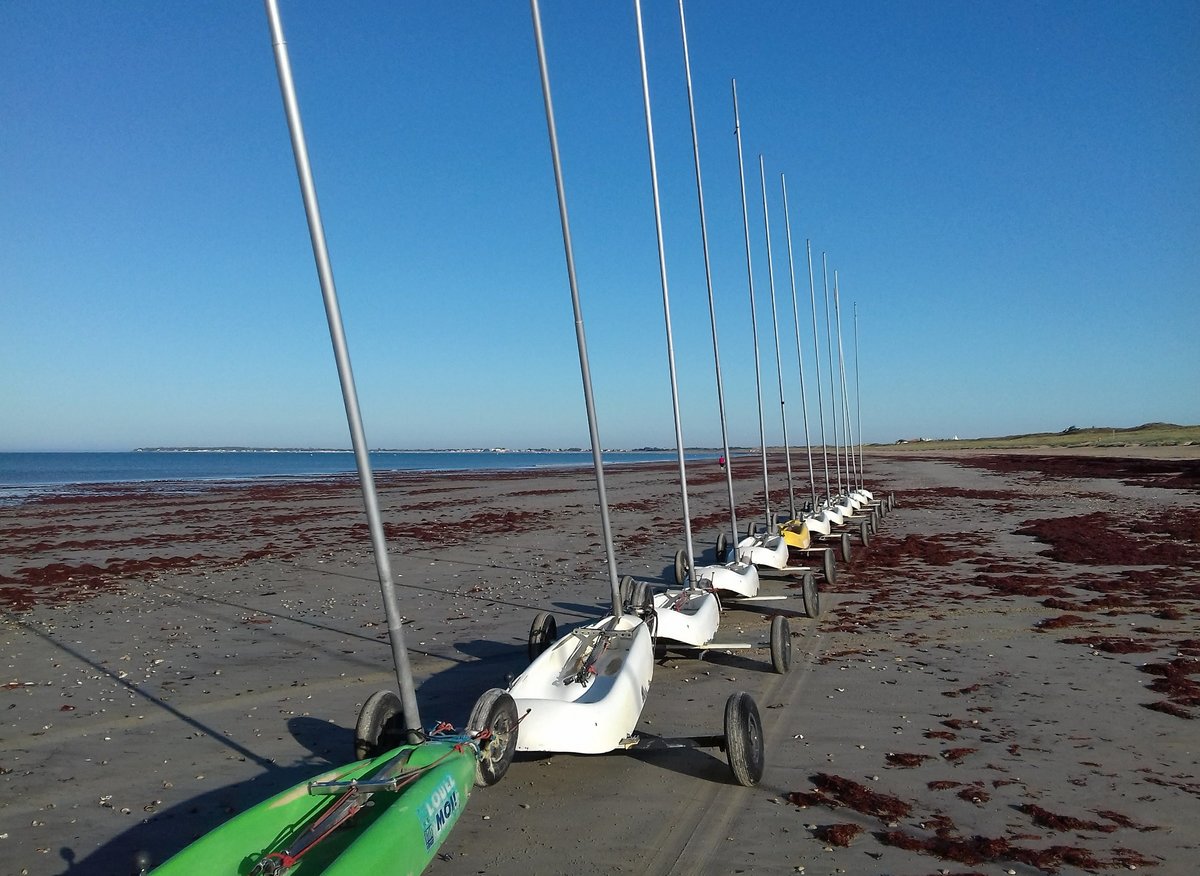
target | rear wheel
x=496, y=713
x=781, y=644
x=722, y=548
x=810, y=595
x=626, y=591
x=744, y=739
x=864, y=533
x=542, y=634
x=643, y=607
x=643, y=599
x=380, y=725
x=830, y=567
x=681, y=567
x=845, y=540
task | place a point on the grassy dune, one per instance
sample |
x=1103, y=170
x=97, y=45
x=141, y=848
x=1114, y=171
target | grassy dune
x=1147, y=435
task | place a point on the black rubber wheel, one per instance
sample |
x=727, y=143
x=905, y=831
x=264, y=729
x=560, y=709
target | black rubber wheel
x=810, y=595
x=864, y=533
x=496, y=712
x=781, y=644
x=681, y=567
x=744, y=739
x=626, y=591
x=380, y=725
x=722, y=548
x=642, y=603
x=883, y=509
x=845, y=547
x=829, y=565
x=874, y=522
x=543, y=632
x=891, y=500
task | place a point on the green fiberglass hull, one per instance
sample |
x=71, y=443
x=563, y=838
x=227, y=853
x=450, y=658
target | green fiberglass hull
x=398, y=832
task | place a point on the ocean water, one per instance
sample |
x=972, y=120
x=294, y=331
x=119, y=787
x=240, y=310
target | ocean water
x=23, y=475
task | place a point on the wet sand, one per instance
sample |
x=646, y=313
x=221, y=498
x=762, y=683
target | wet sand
x=1006, y=680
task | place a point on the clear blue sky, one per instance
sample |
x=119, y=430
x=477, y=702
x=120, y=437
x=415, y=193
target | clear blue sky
x=1010, y=192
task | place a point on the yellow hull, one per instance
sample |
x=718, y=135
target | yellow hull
x=796, y=534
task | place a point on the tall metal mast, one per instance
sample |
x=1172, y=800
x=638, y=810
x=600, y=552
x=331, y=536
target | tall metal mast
x=787, y=225
x=580, y=337
x=862, y=484
x=762, y=431
x=712, y=309
x=837, y=447
x=812, y=296
x=341, y=354
x=787, y=450
x=666, y=298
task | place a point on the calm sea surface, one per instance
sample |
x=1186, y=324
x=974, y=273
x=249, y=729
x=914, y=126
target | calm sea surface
x=28, y=474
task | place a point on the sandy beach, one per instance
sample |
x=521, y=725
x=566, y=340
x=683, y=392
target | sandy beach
x=1006, y=680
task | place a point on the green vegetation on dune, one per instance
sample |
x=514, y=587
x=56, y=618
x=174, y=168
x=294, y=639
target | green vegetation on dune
x=1146, y=435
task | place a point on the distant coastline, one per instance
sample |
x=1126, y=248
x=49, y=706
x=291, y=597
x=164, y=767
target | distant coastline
x=426, y=449
x=27, y=474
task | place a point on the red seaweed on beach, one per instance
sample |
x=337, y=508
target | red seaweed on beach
x=1174, y=679
x=975, y=850
x=974, y=794
x=941, y=785
x=1123, y=820
x=804, y=799
x=957, y=754
x=838, y=834
x=861, y=798
x=1053, y=821
x=1062, y=620
x=1168, y=708
x=1102, y=539
x=1179, y=474
x=1112, y=644
x=898, y=759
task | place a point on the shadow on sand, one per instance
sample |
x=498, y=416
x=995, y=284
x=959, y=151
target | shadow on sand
x=448, y=696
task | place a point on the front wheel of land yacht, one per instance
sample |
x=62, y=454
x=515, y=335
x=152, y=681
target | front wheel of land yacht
x=380, y=725
x=864, y=533
x=681, y=567
x=642, y=603
x=744, y=739
x=542, y=634
x=722, y=548
x=626, y=592
x=830, y=567
x=781, y=644
x=810, y=595
x=845, y=540
x=496, y=713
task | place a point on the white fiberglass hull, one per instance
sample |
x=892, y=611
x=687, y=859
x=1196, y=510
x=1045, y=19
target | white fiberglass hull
x=585, y=693
x=830, y=517
x=764, y=550
x=690, y=617
x=738, y=579
x=818, y=525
